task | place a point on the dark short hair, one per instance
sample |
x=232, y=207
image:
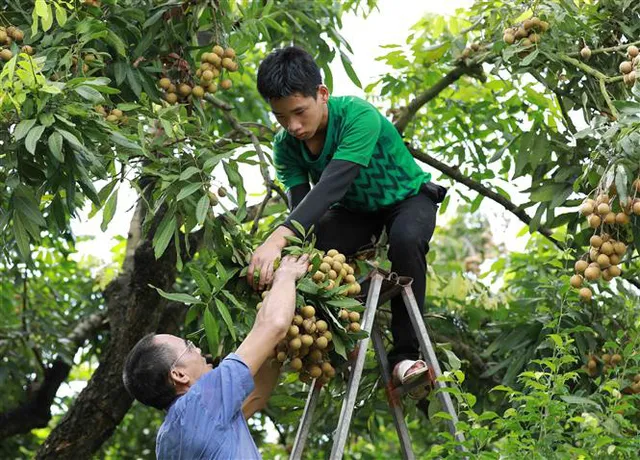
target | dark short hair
x=146, y=373
x=287, y=71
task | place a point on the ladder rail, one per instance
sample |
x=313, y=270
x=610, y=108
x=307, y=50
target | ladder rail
x=305, y=425
x=393, y=398
x=348, y=405
x=430, y=356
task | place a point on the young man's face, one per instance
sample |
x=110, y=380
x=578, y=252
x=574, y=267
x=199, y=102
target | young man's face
x=189, y=361
x=302, y=116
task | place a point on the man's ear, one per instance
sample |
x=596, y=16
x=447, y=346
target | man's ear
x=179, y=377
x=323, y=94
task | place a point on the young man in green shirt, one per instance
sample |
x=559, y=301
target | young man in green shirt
x=365, y=180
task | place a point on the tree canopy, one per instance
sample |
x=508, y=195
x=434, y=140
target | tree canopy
x=532, y=105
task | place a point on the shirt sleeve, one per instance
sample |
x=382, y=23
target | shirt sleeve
x=336, y=179
x=225, y=388
x=289, y=171
x=297, y=194
x=359, y=136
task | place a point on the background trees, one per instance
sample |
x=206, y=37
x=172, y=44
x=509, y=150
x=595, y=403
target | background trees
x=535, y=129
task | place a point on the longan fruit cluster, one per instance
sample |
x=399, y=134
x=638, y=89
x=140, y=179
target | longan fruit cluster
x=607, y=217
x=628, y=66
x=603, y=363
x=469, y=50
x=212, y=66
x=7, y=36
x=527, y=34
x=337, y=272
x=113, y=115
x=214, y=198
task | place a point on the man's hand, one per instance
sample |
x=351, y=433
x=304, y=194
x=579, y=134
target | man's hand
x=264, y=257
x=292, y=267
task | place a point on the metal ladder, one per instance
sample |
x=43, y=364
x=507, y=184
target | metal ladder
x=398, y=285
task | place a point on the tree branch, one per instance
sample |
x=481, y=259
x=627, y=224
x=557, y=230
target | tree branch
x=410, y=111
x=455, y=174
x=35, y=411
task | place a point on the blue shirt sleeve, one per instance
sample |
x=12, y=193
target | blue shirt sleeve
x=224, y=389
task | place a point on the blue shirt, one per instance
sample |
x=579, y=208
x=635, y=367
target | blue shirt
x=207, y=421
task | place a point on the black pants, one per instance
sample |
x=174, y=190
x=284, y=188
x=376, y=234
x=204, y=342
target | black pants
x=409, y=225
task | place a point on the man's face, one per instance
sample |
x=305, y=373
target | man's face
x=301, y=115
x=189, y=362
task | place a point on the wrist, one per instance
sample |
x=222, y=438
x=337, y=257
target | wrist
x=278, y=239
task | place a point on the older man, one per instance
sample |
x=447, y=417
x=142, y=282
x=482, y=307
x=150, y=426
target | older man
x=204, y=406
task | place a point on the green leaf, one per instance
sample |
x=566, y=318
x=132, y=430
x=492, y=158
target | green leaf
x=188, y=190
x=338, y=346
x=47, y=19
x=26, y=204
x=187, y=173
x=530, y=58
x=116, y=42
x=286, y=401
x=71, y=139
x=61, y=15
x=109, y=210
x=298, y=226
x=346, y=63
x=21, y=237
x=351, y=304
x=177, y=296
x=211, y=330
x=621, y=182
x=90, y=94
x=163, y=235
x=224, y=312
x=33, y=137
x=201, y=280
x=23, y=128
x=201, y=209
x=580, y=400
x=123, y=141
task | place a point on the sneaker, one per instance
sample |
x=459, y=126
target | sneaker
x=407, y=372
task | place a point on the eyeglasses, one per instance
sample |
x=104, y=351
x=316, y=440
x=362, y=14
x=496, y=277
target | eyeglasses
x=190, y=346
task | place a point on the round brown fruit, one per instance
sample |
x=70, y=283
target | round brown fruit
x=622, y=218
x=315, y=356
x=593, y=254
x=226, y=84
x=112, y=118
x=509, y=38
x=616, y=359
x=354, y=327
x=327, y=335
x=606, y=248
x=27, y=50
x=610, y=218
x=603, y=208
x=197, y=91
x=581, y=266
x=227, y=63
x=633, y=51
x=296, y=364
x=18, y=35
x=596, y=241
x=230, y=53
x=315, y=371
x=527, y=24
x=219, y=50
x=603, y=261
x=626, y=67
x=594, y=221
x=636, y=208
x=619, y=248
x=297, y=320
x=544, y=26
x=172, y=88
x=322, y=326
x=354, y=316
x=306, y=340
x=164, y=83
x=282, y=356
x=214, y=59
x=332, y=274
x=585, y=53
x=308, y=311
x=222, y=192
x=592, y=365
x=318, y=276
x=336, y=266
x=592, y=273
x=212, y=88
x=184, y=90
x=585, y=293
x=587, y=207
x=576, y=281
x=614, y=259
x=614, y=271
x=295, y=344
x=207, y=75
x=322, y=343
x=343, y=315
x=294, y=331
x=6, y=55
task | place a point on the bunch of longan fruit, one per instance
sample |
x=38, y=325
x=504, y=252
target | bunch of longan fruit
x=7, y=36
x=629, y=65
x=112, y=116
x=602, y=364
x=527, y=34
x=337, y=272
x=607, y=217
x=469, y=50
x=212, y=66
x=310, y=339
